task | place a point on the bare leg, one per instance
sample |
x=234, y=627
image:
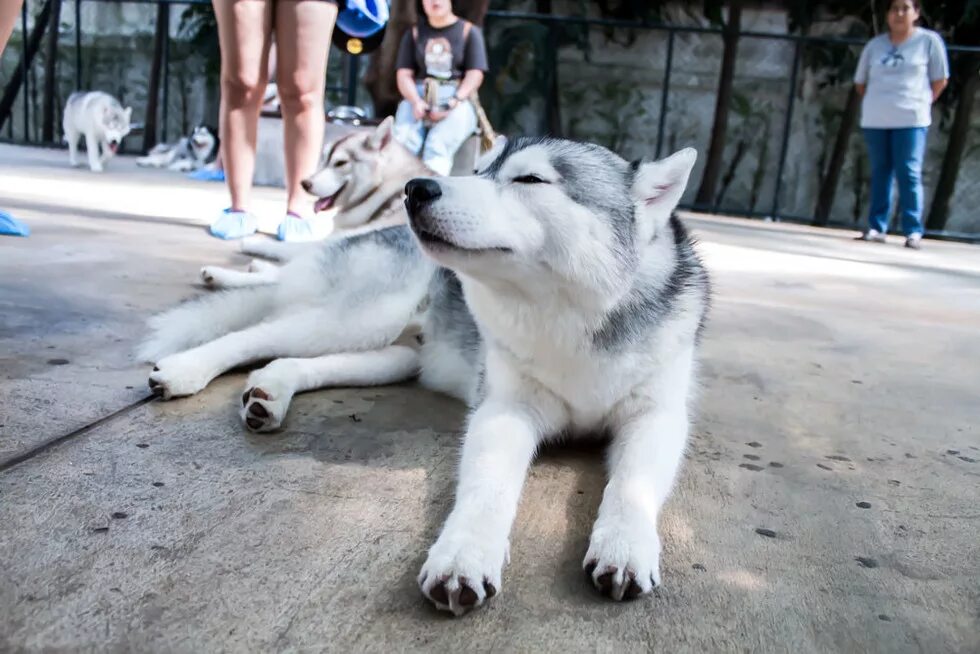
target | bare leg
x=302, y=31
x=244, y=32
x=270, y=390
x=9, y=12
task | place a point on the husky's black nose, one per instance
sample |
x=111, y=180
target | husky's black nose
x=307, y=185
x=420, y=191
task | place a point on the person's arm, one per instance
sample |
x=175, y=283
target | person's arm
x=938, y=67
x=405, y=76
x=470, y=83
x=862, y=71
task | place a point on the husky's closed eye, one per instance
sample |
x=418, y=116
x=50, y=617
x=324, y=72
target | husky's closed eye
x=530, y=179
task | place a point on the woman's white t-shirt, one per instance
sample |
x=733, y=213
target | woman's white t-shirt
x=898, y=78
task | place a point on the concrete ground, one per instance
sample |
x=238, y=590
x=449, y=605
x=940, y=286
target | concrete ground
x=829, y=501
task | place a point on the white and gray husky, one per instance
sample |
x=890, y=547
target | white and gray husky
x=554, y=291
x=361, y=178
x=101, y=120
x=187, y=154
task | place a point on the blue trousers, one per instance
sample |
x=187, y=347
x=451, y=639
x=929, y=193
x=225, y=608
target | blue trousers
x=898, y=154
x=437, y=144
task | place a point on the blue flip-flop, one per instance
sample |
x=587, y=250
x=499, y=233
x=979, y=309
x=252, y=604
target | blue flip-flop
x=10, y=226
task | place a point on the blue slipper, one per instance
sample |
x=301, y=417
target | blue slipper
x=294, y=229
x=234, y=224
x=207, y=175
x=10, y=226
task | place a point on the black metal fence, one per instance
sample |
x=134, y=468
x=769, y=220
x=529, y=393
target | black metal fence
x=791, y=172
x=775, y=161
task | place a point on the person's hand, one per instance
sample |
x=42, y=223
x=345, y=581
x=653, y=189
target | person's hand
x=437, y=114
x=419, y=109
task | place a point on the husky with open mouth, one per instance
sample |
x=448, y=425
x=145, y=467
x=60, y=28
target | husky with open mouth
x=101, y=120
x=555, y=292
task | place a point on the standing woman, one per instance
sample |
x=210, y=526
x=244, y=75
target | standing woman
x=302, y=31
x=900, y=74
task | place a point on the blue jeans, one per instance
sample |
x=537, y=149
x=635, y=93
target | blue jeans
x=438, y=143
x=896, y=153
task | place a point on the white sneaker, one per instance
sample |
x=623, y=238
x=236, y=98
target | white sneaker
x=872, y=235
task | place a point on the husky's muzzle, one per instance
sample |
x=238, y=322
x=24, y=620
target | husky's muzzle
x=419, y=194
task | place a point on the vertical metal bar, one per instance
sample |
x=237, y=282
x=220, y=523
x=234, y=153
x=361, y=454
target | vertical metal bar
x=352, y=69
x=166, y=77
x=787, y=126
x=663, y=95
x=78, y=45
x=23, y=63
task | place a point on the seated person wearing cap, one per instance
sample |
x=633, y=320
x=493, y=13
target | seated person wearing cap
x=449, y=53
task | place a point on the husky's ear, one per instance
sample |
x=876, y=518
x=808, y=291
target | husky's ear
x=659, y=185
x=129, y=112
x=382, y=134
x=490, y=155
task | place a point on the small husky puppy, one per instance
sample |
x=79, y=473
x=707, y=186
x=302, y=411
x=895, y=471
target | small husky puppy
x=101, y=120
x=555, y=292
x=189, y=153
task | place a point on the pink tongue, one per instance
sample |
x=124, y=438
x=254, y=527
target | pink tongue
x=323, y=204
x=113, y=146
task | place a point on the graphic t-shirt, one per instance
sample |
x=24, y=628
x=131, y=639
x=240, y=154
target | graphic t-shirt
x=444, y=53
x=898, y=77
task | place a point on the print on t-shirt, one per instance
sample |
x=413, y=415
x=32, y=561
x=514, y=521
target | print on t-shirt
x=438, y=58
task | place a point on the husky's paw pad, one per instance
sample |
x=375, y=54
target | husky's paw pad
x=623, y=563
x=207, y=276
x=462, y=574
x=260, y=410
x=177, y=376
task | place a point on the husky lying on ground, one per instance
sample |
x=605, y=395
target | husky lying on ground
x=101, y=119
x=555, y=292
x=362, y=178
x=189, y=153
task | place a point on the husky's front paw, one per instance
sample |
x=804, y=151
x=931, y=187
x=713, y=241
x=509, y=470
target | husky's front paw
x=463, y=570
x=623, y=561
x=261, y=410
x=177, y=376
x=208, y=276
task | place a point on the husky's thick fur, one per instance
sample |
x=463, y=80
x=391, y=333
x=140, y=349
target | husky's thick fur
x=361, y=178
x=558, y=296
x=101, y=120
x=189, y=153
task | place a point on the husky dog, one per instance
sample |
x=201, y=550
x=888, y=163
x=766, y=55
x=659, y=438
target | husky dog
x=101, y=119
x=361, y=178
x=189, y=153
x=555, y=292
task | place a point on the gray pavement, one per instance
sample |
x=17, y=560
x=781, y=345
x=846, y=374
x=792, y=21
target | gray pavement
x=838, y=410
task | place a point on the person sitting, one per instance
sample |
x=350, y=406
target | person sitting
x=448, y=54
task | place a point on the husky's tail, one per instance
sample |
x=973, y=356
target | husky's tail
x=205, y=319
